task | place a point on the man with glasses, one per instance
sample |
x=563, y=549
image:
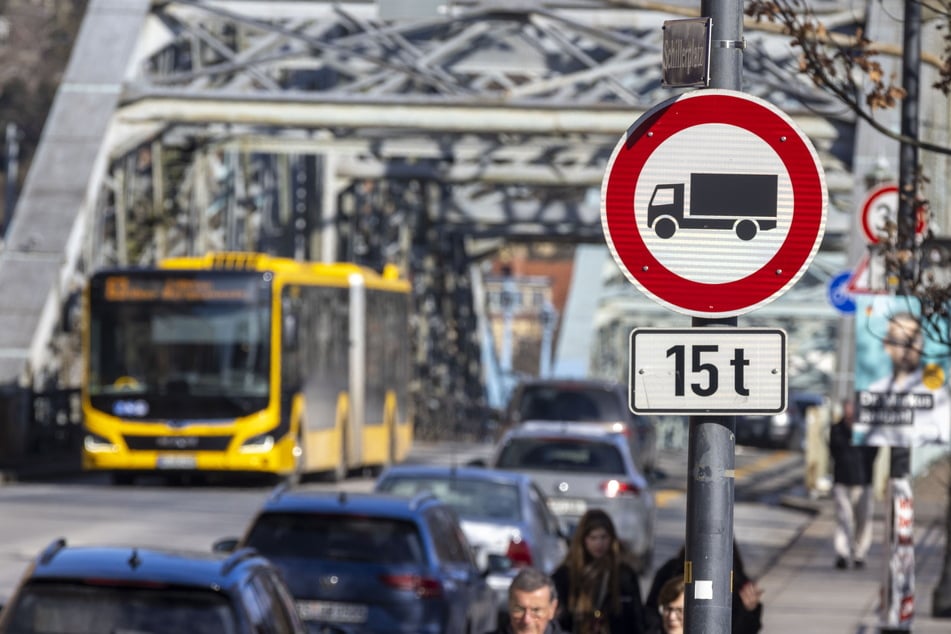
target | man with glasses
x=532, y=605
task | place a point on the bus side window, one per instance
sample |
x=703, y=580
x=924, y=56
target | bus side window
x=290, y=338
x=290, y=322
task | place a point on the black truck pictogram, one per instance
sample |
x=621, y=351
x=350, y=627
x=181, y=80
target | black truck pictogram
x=745, y=203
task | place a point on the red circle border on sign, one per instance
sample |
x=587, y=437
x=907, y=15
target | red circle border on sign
x=619, y=216
x=921, y=216
x=866, y=208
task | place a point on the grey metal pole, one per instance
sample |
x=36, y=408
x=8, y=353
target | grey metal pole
x=903, y=557
x=711, y=452
x=13, y=169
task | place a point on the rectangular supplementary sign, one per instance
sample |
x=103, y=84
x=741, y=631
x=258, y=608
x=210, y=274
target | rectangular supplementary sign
x=685, y=60
x=708, y=371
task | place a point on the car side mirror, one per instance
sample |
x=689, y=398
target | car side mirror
x=477, y=462
x=225, y=545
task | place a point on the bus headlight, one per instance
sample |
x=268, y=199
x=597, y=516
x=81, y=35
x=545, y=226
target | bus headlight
x=261, y=443
x=94, y=443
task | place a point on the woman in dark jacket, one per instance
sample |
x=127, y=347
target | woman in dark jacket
x=598, y=588
x=747, y=615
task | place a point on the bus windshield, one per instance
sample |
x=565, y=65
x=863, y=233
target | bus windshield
x=179, y=359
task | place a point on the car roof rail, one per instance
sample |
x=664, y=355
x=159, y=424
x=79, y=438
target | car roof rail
x=418, y=499
x=47, y=554
x=236, y=558
x=282, y=487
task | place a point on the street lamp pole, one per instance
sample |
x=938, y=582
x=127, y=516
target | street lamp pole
x=900, y=574
x=507, y=298
x=547, y=317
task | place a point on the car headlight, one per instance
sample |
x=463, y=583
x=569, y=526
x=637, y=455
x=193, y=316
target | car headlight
x=781, y=420
x=94, y=443
x=258, y=444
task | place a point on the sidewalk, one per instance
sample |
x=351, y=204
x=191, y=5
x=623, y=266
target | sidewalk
x=804, y=592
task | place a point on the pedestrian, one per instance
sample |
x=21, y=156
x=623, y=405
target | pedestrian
x=747, y=612
x=671, y=600
x=852, y=467
x=532, y=604
x=599, y=588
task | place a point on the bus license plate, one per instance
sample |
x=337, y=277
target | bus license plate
x=176, y=462
x=332, y=611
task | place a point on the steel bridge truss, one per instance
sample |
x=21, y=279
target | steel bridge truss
x=324, y=130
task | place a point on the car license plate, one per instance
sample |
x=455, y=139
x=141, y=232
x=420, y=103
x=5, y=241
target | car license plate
x=567, y=506
x=332, y=611
x=175, y=462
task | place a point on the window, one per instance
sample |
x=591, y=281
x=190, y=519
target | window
x=449, y=540
x=267, y=610
x=65, y=608
x=336, y=537
x=470, y=498
x=569, y=454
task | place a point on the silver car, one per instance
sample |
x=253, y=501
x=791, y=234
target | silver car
x=504, y=515
x=594, y=401
x=579, y=467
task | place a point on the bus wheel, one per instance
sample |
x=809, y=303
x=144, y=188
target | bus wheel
x=122, y=478
x=746, y=230
x=665, y=227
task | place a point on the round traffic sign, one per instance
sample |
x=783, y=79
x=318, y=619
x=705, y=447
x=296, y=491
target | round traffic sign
x=713, y=203
x=881, y=209
x=839, y=295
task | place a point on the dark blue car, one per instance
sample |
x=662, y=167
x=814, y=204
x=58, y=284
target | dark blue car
x=361, y=563
x=71, y=589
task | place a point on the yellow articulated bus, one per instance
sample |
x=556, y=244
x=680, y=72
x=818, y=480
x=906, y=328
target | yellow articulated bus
x=242, y=362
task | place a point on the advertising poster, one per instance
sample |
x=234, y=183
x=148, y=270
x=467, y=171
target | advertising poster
x=902, y=396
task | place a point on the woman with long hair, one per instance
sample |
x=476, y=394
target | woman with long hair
x=599, y=589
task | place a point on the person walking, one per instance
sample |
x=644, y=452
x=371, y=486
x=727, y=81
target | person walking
x=852, y=491
x=747, y=606
x=671, y=608
x=600, y=590
x=532, y=605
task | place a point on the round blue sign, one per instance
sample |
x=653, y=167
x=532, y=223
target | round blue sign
x=839, y=295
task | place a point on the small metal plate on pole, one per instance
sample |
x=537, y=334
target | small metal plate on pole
x=708, y=371
x=686, y=54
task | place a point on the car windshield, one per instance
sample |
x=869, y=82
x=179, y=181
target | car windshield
x=569, y=403
x=71, y=608
x=337, y=537
x=561, y=454
x=471, y=499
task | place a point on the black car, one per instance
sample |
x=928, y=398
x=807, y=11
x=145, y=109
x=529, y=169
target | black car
x=585, y=400
x=372, y=562
x=111, y=589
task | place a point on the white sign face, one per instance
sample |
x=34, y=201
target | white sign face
x=708, y=371
x=713, y=203
x=880, y=214
x=878, y=211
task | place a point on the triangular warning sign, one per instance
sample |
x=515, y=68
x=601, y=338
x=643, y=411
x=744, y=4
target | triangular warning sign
x=863, y=282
